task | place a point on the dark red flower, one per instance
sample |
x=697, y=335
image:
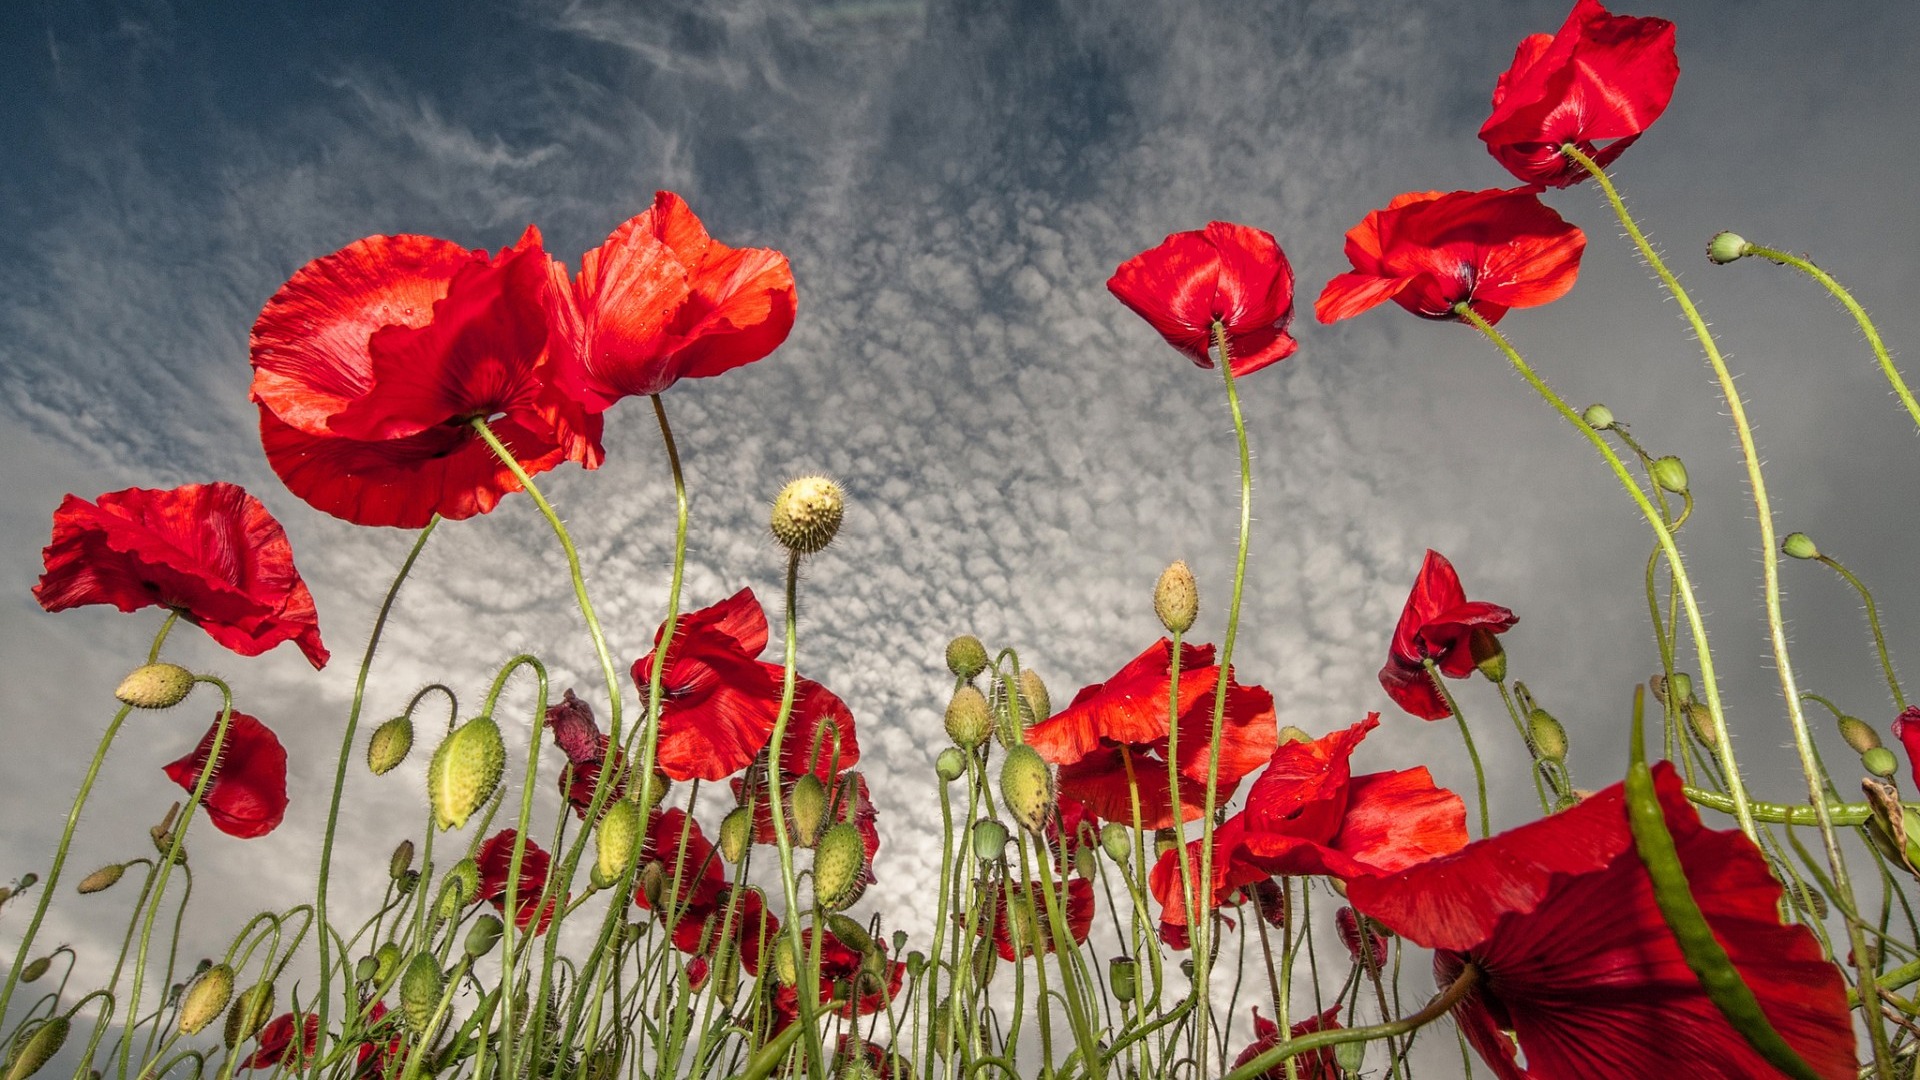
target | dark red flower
x=372, y=1059
x=751, y=927
x=578, y=736
x=247, y=796
x=1369, y=952
x=1312, y=1065
x=211, y=552
x=370, y=363
x=276, y=1042
x=718, y=702
x=1113, y=738
x=1437, y=624
x=1602, y=77
x=1906, y=728
x=1011, y=920
x=1226, y=273
x=691, y=881
x=1427, y=251
x=495, y=861
x=662, y=301
x=1576, y=961
x=844, y=976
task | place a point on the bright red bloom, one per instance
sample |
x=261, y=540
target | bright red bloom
x=1307, y=814
x=1906, y=728
x=718, y=702
x=247, y=796
x=662, y=301
x=276, y=1040
x=1313, y=1065
x=1121, y=725
x=1226, y=273
x=753, y=928
x=212, y=552
x=841, y=971
x=1601, y=77
x=1577, y=962
x=369, y=364
x=1427, y=251
x=1010, y=918
x=1437, y=623
x=495, y=861
x=683, y=853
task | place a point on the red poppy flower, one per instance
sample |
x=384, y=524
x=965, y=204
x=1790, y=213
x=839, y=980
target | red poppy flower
x=1307, y=814
x=248, y=794
x=1906, y=728
x=684, y=855
x=1226, y=273
x=1602, y=77
x=370, y=362
x=276, y=1042
x=1112, y=739
x=1313, y=1065
x=495, y=861
x=1010, y=918
x=753, y=928
x=212, y=552
x=842, y=969
x=1576, y=961
x=372, y=1059
x=1428, y=251
x=1438, y=624
x=662, y=301
x=718, y=702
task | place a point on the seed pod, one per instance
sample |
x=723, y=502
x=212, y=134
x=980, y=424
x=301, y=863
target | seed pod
x=1036, y=705
x=1026, y=786
x=837, y=865
x=483, y=936
x=39, y=1048
x=966, y=656
x=402, y=860
x=1858, y=734
x=806, y=514
x=1115, y=842
x=389, y=745
x=1123, y=974
x=1176, y=598
x=206, y=999
x=155, y=686
x=420, y=989
x=465, y=771
x=1670, y=473
x=250, y=1012
x=615, y=839
x=989, y=839
x=969, y=717
x=808, y=806
x=950, y=764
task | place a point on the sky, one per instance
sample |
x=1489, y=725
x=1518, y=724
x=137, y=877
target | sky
x=953, y=183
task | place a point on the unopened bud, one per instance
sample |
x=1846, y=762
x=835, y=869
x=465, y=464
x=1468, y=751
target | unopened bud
x=155, y=686
x=366, y=969
x=1858, y=734
x=1670, y=473
x=39, y=1048
x=1026, y=786
x=1548, y=737
x=1880, y=762
x=28, y=881
x=389, y=744
x=1163, y=841
x=102, y=879
x=420, y=988
x=1598, y=417
x=969, y=717
x=402, y=860
x=966, y=656
x=386, y=961
x=806, y=514
x=615, y=839
x=736, y=834
x=1701, y=721
x=1799, y=546
x=33, y=971
x=465, y=771
x=989, y=839
x=808, y=806
x=249, y=1014
x=1680, y=687
x=838, y=862
x=1035, y=703
x=458, y=888
x=653, y=882
x=483, y=936
x=1176, y=599
x=206, y=999
x=1725, y=247
x=1115, y=841
x=950, y=764
x=1350, y=1056
x=1123, y=975
x=851, y=934
x=1488, y=655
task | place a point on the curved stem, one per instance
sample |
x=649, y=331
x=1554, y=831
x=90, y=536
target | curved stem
x=1859, y=314
x=1479, y=773
x=789, y=884
x=1873, y=624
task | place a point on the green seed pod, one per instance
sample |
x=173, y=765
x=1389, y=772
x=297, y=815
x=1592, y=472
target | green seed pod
x=851, y=934
x=966, y=656
x=402, y=860
x=736, y=834
x=1350, y=1056
x=1598, y=417
x=483, y=936
x=1176, y=598
x=387, y=962
x=1036, y=705
x=969, y=717
x=389, y=745
x=1858, y=734
x=807, y=806
x=616, y=838
x=1880, y=762
x=1123, y=975
x=155, y=686
x=1670, y=473
x=420, y=988
x=206, y=999
x=460, y=887
x=989, y=839
x=1026, y=786
x=39, y=1048
x=1115, y=841
x=33, y=971
x=250, y=1012
x=837, y=865
x=950, y=764
x=1549, y=738
x=366, y=969
x=465, y=771
x=1799, y=546
x=1726, y=247
x=807, y=513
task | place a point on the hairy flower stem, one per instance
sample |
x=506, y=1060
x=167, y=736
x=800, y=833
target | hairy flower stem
x=809, y=971
x=1770, y=582
x=1462, y=985
x=1479, y=773
x=1873, y=624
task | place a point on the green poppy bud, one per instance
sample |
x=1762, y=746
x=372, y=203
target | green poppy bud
x=966, y=656
x=482, y=936
x=465, y=771
x=1035, y=703
x=155, y=686
x=736, y=834
x=206, y=999
x=806, y=514
x=989, y=839
x=969, y=717
x=950, y=764
x=1670, y=473
x=1598, y=417
x=1880, y=762
x=807, y=809
x=1726, y=247
x=1026, y=786
x=838, y=863
x=249, y=1014
x=420, y=988
x=402, y=860
x=1115, y=841
x=615, y=838
x=39, y=1048
x=1176, y=598
x=1799, y=546
x=1549, y=738
x=389, y=745
x=386, y=960
x=33, y=971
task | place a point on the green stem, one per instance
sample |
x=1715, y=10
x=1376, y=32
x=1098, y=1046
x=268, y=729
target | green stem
x=1259, y=1066
x=789, y=884
x=1479, y=773
x=1873, y=623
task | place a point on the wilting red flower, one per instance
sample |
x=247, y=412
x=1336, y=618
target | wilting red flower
x=718, y=702
x=1113, y=737
x=211, y=552
x=1307, y=814
x=1437, y=624
x=1010, y=918
x=1313, y=1065
x=370, y=362
x=843, y=976
x=1231, y=274
x=1601, y=77
x=1369, y=952
x=1906, y=728
x=495, y=861
x=662, y=301
x=578, y=736
x=1576, y=961
x=1427, y=251
x=247, y=796
x=276, y=1042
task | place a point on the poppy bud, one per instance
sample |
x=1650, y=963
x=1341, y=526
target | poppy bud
x=1176, y=599
x=653, y=882
x=1680, y=687
x=1116, y=842
x=615, y=839
x=1548, y=737
x=460, y=887
x=1123, y=975
x=1858, y=734
x=39, y=1048
x=966, y=656
x=386, y=961
x=206, y=999
x=155, y=686
x=366, y=969
x=102, y=879
x=1799, y=546
x=807, y=809
x=389, y=745
x=1725, y=247
x=989, y=839
x=1026, y=787
x=1598, y=417
x=950, y=764
x=420, y=989
x=785, y=969
x=1670, y=473
x=28, y=881
x=33, y=971
x=1350, y=1056
x=899, y=942
x=1035, y=704
x=806, y=514
x=969, y=717
x=162, y=835
x=1701, y=721
x=407, y=882
x=402, y=860
x=736, y=834
x=465, y=771
x=1880, y=762
x=483, y=936
x=837, y=863
x=916, y=963
x=1083, y=863
x=249, y=1014
x=851, y=934
x=1488, y=656
x=650, y=795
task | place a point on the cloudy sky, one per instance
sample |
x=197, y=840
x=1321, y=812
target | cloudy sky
x=953, y=183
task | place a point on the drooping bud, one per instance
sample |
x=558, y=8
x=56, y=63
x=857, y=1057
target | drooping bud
x=615, y=839
x=1726, y=247
x=838, y=861
x=1123, y=975
x=460, y=887
x=1026, y=786
x=653, y=882
x=482, y=936
x=1598, y=417
x=162, y=835
x=1176, y=598
x=465, y=771
x=969, y=717
x=966, y=656
x=1548, y=737
x=851, y=934
x=1880, y=762
x=102, y=879
x=39, y=1048
x=1083, y=862
x=366, y=969
x=1858, y=734
x=1670, y=473
x=807, y=806
x=1799, y=546
x=1488, y=654
x=34, y=970
x=389, y=745
x=420, y=988
x=155, y=686
x=249, y=1014
x=806, y=514
x=1701, y=721
x=402, y=860
x=1115, y=841
x=28, y=880
x=386, y=961
x=950, y=764
x=736, y=834
x=989, y=839
x=1036, y=705
x=206, y=999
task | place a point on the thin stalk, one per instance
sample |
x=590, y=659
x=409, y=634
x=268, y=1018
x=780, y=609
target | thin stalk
x=1479, y=773
x=789, y=884
x=1468, y=978
x=1873, y=623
